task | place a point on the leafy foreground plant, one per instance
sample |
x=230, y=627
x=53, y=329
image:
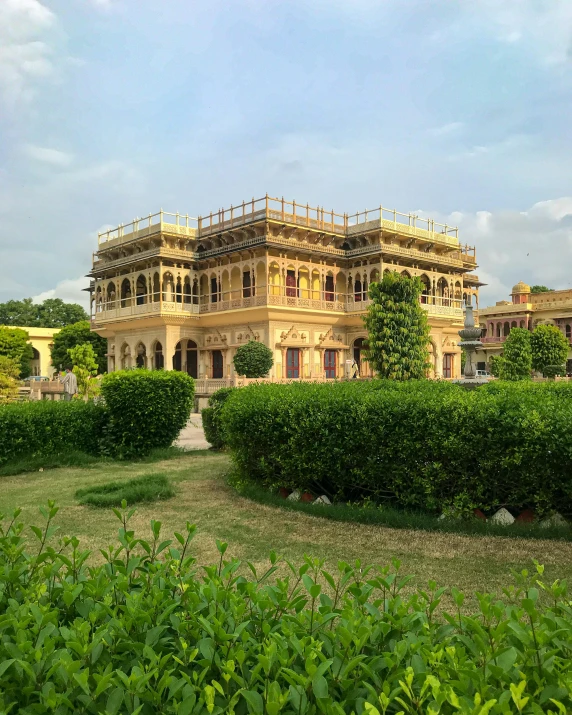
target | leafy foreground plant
x=146, y=633
x=152, y=487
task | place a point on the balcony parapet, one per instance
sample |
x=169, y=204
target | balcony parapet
x=112, y=313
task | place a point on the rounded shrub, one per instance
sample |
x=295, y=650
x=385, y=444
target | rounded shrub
x=420, y=445
x=148, y=409
x=253, y=359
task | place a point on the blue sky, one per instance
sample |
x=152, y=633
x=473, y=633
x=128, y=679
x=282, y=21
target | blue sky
x=111, y=109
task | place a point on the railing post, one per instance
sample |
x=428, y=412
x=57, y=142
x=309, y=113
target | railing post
x=253, y=206
x=266, y=204
x=282, y=208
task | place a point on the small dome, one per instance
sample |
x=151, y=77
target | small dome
x=520, y=287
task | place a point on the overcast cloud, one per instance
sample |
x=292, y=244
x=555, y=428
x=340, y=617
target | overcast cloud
x=111, y=109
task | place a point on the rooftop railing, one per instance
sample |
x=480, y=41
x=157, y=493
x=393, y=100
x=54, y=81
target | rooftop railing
x=289, y=212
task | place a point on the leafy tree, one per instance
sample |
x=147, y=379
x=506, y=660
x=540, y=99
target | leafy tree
x=78, y=334
x=516, y=360
x=9, y=371
x=540, y=289
x=398, y=331
x=14, y=345
x=52, y=313
x=85, y=369
x=549, y=349
x=253, y=359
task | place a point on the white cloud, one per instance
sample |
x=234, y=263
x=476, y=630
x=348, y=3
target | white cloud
x=70, y=291
x=55, y=157
x=543, y=26
x=446, y=129
x=533, y=245
x=25, y=58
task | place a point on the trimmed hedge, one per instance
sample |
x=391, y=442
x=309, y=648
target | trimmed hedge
x=148, y=409
x=211, y=417
x=31, y=429
x=427, y=445
x=143, y=633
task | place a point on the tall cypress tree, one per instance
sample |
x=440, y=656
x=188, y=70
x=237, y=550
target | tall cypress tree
x=398, y=330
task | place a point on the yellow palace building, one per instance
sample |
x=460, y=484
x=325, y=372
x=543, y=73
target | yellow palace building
x=180, y=293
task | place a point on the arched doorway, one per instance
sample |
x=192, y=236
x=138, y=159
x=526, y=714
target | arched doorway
x=218, y=364
x=35, y=363
x=358, y=348
x=159, y=360
x=178, y=358
x=141, y=356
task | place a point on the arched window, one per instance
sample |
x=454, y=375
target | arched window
x=522, y=323
x=426, y=289
x=358, y=347
x=214, y=289
x=125, y=293
x=569, y=332
x=141, y=290
x=357, y=290
x=179, y=291
x=156, y=288
x=168, y=288
x=246, y=280
x=329, y=287
x=187, y=290
x=506, y=329
x=111, y=294
x=499, y=330
x=177, y=358
x=513, y=324
x=291, y=286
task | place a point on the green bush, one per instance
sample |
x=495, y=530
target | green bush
x=211, y=417
x=253, y=359
x=148, y=409
x=143, y=633
x=37, y=429
x=149, y=488
x=422, y=445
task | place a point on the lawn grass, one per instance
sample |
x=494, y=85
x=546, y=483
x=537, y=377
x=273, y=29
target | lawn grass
x=148, y=488
x=471, y=563
x=403, y=519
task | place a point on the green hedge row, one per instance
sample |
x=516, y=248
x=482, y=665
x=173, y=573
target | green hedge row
x=212, y=415
x=427, y=445
x=30, y=429
x=143, y=633
x=140, y=411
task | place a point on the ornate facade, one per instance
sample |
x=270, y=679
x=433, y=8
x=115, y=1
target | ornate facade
x=180, y=293
x=524, y=310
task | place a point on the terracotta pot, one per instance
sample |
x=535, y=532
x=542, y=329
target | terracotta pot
x=526, y=517
x=307, y=497
x=284, y=493
x=479, y=514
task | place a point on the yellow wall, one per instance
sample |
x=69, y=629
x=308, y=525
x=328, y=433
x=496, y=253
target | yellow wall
x=41, y=339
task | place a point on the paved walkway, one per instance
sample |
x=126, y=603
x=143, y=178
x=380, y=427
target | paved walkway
x=192, y=436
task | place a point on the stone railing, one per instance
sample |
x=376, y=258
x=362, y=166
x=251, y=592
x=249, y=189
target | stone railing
x=109, y=313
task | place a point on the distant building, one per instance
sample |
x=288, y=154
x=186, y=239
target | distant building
x=41, y=340
x=174, y=292
x=525, y=310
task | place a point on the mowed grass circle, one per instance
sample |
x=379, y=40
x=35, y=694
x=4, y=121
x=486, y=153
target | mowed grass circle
x=148, y=488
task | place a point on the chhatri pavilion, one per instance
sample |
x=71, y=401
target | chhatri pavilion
x=179, y=293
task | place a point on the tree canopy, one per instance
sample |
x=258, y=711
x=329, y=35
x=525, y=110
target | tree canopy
x=398, y=330
x=516, y=360
x=540, y=289
x=253, y=359
x=78, y=334
x=15, y=346
x=52, y=313
x=549, y=349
